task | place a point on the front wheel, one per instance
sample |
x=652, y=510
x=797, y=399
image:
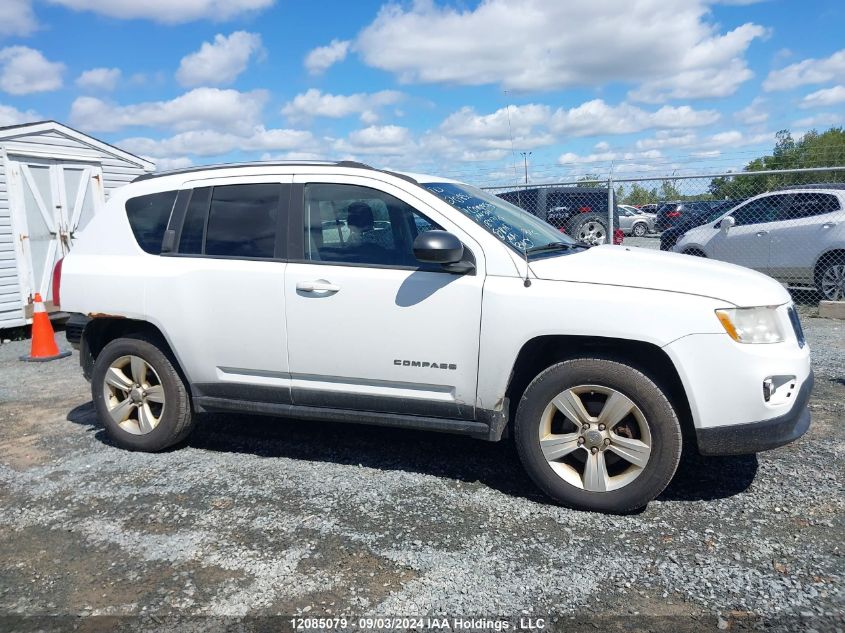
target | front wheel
x=139, y=396
x=596, y=434
x=639, y=229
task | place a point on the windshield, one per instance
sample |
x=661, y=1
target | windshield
x=517, y=228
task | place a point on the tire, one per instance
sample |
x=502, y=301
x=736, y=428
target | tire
x=156, y=418
x=627, y=486
x=694, y=252
x=830, y=278
x=639, y=229
x=590, y=228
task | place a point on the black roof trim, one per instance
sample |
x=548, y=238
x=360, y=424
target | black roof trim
x=294, y=163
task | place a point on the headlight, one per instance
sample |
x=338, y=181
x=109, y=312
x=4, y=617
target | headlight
x=751, y=325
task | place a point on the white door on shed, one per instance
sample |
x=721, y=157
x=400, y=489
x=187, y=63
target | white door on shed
x=52, y=201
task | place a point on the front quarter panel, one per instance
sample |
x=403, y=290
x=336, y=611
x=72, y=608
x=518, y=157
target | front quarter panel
x=512, y=315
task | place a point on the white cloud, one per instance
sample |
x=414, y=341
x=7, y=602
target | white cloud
x=209, y=142
x=17, y=18
x=755, y=112
x=177, y=162
x=825, y=119
x=685, y=139
x=665, y=139
x=571, y=158
x=320, y=59
x=315, y=103
x=700, y=83
x=597, y=117
x=225, y=110
x=384, y=140
x=24, y=70
x=99, y=79
x=825, y=97
x=13, y=116
x=808, y=71
x=167, y=11
x=219, y=63
x=543, y=44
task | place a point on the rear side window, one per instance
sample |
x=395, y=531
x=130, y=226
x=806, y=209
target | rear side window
x=806, y=205
x=242, y=220
x=148, y=216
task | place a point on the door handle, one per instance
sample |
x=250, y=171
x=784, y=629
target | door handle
x=320, y=285
x=828, y=225
x=762, y=233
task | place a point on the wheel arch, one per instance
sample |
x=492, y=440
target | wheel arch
x=544, y=351
x=837, y=254
x=101, y=330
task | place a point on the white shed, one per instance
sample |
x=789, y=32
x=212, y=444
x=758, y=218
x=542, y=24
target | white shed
x=52, y=180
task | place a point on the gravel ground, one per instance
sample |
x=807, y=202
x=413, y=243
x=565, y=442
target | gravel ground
x=258, y=516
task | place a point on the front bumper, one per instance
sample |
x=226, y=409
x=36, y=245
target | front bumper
x=754, y=437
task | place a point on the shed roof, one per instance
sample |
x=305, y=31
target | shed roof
x=35, y=127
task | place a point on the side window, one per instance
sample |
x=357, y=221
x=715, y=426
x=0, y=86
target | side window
x=148, y=216
x=359, y=225
x=242, y=220
x=193, y=227
x=806, y=205
x=758, y=211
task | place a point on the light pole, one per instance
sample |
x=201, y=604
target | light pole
x=525, y=156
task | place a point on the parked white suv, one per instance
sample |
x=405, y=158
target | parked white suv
x=335, y=291
x=796, y=235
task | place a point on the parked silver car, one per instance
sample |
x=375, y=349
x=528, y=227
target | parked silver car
x=632, y=221
x=795, y=235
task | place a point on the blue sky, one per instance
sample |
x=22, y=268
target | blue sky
x=461, y=88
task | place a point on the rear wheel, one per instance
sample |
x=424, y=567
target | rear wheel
x=139, y=395
x=590, y=228
x=639, y=229
x=694, y=252
x=596, y=434
x=830, y=279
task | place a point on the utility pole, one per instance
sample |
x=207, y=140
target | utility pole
x=525, y=156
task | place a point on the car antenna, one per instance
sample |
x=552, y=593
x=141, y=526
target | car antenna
x=527, y=281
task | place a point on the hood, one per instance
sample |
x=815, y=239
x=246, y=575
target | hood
x=659, y=270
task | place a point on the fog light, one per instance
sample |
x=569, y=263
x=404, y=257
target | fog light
x=767, y=389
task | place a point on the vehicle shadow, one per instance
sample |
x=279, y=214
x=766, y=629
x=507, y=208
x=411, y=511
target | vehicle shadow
x=493, y=464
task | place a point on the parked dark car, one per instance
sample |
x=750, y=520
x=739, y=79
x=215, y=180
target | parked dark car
x=648, y=208
x=670, y=236
x=580, y=212
x=672, y=213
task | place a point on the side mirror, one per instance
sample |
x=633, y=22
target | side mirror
x=727, y=223
x=438, y=247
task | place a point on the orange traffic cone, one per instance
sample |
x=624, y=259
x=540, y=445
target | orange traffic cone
x=43, y=340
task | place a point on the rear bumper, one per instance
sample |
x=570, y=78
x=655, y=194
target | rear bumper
x=754, y=437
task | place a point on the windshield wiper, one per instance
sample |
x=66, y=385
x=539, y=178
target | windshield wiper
x=554, y=246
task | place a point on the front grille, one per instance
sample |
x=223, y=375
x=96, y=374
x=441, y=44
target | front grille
x=796, y=326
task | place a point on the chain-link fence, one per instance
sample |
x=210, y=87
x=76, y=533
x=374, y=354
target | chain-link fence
x=789, y=224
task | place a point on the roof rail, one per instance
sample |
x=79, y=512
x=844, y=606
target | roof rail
x=273, y=163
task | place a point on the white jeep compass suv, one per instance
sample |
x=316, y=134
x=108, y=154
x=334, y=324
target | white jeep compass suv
x=335, y=291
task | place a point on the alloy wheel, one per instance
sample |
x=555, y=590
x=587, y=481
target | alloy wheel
x=595, y=438
x=833, y=282
x=134, y=395
x=592, y=233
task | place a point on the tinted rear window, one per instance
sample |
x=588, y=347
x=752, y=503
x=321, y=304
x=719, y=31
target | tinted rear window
x=242, y=220
x=148, y=216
